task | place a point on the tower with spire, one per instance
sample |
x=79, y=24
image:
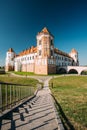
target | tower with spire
x=45, y=52
x=74, y=55
x=10, y=55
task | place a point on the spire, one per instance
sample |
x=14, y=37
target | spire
x=73, y=51
x=10, y=50
x=45, y=30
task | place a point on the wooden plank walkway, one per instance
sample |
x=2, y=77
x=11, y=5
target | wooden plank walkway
x=35, y=114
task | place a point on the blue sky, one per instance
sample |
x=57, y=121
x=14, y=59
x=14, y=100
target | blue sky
x=21, y=20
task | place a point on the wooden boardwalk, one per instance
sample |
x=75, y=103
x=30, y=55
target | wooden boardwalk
x=35, y=114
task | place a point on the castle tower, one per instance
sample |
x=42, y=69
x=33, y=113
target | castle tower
x=74, y=55
x=45, y=43
x=10, y=60
x=45, y=52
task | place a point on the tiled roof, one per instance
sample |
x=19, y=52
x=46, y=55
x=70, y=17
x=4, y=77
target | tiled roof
x=61, y=52
x=73, y=51
x=45, y=31
x=28, y=51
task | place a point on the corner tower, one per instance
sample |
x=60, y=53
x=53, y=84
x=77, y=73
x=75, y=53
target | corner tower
x=45, y=52
x=45, y=43
x=9, y=65
x=74, y=55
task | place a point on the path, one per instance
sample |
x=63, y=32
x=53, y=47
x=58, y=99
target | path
x=35, y=114
x=39, y=78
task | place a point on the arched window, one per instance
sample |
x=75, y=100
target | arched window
x=39, y=52
x=40, y=42
x=51, y=42
x=51, y=53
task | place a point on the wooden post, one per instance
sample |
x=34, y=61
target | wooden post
x=13, y=94
x=19, y=93
x=52, y=84
x=0, y=98
x=10, y=96
x=6, y=95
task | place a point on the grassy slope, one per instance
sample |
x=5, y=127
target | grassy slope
x=27, y=73
x=71, y=93
x=18, y=80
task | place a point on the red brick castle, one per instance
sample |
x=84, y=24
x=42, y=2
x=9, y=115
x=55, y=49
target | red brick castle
x=42, y=59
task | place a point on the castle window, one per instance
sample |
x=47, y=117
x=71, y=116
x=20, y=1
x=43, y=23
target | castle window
x=51, y=42
x=40, y=42
x=51, y=53
x=32, y=57
x=60, y=58
x=75, y=56
x=28, y=58
x=39, y=52
x=12, y=59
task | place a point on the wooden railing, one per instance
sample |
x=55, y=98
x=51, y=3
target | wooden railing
x=11, y=94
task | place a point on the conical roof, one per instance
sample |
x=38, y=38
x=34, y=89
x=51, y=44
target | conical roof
x=45, y=30
x=73, y=51
x=10, y=50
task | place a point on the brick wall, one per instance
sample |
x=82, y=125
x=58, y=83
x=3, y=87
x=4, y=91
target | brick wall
x=41, y=69
x=28, y=67
x=9, y=68
x=51, y=69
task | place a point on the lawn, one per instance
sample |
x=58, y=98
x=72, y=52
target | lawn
x=71, y=95
x=27, y=73
x=12, y=93
x=24, y=73
x=18, y=80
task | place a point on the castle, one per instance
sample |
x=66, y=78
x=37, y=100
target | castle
x=42, y=59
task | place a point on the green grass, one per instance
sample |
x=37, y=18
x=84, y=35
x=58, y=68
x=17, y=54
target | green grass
x=24, y=73
x=71, y=94
x=33, y=74
x=55, y=74
x=27, y=73
x=29, y=85
x=18, y=80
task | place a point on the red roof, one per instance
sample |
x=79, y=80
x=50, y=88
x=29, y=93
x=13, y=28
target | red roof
x=28, y=51
x=73, y=51
x=45, y=31
x=61, y=53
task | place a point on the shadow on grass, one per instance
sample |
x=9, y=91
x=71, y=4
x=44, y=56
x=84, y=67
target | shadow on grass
x=66, y=123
